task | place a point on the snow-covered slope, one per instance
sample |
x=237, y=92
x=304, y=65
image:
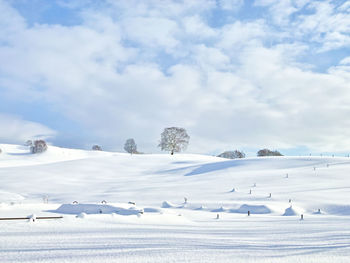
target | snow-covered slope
x=275, y=190
x=19, y=155
x=66, y=175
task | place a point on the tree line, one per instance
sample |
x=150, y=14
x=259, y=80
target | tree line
x=175, y=139
x=172, y=139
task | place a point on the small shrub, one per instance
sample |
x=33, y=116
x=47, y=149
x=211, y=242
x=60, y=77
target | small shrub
x=38, y=146
x=232, y=154
x=267, y=152
x=97, y=148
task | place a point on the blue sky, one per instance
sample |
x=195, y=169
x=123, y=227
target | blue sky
x=236, y=74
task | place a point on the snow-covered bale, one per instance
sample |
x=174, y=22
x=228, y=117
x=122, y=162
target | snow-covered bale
x=95, y=209
x=253, y=209
x=290, y=211
x=318, y=212
x=167, y=204
x=32, y=218
x=202, y=207
x=81, y=215
x=221, y=209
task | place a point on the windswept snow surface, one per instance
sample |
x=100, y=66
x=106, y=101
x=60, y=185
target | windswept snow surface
x=163, y=208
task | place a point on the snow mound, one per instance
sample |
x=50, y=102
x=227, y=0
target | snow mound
x=152, y=210
x=95, y=209
x=10, y=197
x=253, y=209
x=81, y=215
x=318, y=212
x=290, y=212
x=201, y=208
x=167, y=204
x=221, y=209
x=343, y=210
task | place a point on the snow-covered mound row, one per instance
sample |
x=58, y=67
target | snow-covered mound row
x=241, y=209
x=194, y=182
x=75, y=209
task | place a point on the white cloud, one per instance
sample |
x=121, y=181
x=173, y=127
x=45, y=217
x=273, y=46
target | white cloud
x=237, y=35
x=226, y=85
x=345, y=6
x=155, y=8
x=325, y=23
x=15, y=130
x=328, y=25
x=345, y=61
x=282, y=10
x=195, y=26
x=231, y=4
x=10, y=21
x=153, y=32
x=210, y=58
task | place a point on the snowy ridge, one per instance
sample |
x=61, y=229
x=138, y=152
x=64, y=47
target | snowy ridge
x=18, y=155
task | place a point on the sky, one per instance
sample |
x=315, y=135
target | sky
x=235, y=74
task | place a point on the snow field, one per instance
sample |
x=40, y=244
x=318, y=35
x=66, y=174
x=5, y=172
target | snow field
x=177, y=199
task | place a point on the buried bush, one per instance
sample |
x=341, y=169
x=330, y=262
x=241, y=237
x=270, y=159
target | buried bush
x=267, y=152
x=96, y=148
x=38, y=146
x=232, y=154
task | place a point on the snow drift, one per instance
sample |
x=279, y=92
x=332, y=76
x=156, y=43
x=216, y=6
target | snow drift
x=95, y=209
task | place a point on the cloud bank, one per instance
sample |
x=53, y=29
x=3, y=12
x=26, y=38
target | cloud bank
x=278, y=78
x=15, y=130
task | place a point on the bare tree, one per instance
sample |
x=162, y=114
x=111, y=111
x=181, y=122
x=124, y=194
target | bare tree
x=232, y=154
x=97, y=147
x=38, y=146
x=174, y=139
x=267, y=152
x=130, y=146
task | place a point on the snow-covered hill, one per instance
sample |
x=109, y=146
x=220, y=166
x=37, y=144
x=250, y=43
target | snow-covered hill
x=179, y=197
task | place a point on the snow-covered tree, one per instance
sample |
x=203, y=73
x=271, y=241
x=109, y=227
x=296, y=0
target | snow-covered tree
x=97, y=147
x=38, y=146
x=267, y=152
x=174, y=139
x=232, y=154
x=130, y=146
